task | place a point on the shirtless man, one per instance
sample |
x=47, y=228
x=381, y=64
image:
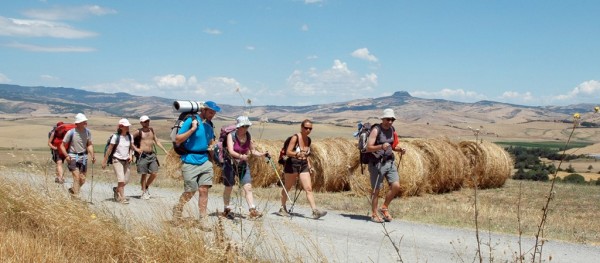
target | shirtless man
x=147, y=162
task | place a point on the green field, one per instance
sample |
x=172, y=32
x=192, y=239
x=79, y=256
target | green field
x=558, y=145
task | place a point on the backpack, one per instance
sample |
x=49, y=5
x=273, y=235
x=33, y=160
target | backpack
x=220, y=152
x=137, y=140
x=363, y=138
x=59, y=136
x=110, y=155
x=180, y=148
x=282, y=153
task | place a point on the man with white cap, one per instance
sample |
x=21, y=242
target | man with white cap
x=76, y=146
x=147, y=162
x=381, y=143
x=121, y=146
x=197, y=135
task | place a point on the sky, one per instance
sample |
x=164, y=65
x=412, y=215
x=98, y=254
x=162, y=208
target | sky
x=306, y=52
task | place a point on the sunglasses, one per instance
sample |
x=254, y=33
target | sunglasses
x=308, y=128
x=389, y=119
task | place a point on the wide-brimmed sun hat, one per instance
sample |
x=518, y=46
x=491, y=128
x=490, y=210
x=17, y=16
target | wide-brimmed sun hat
x=388, y=113
x=243, y=121
x=79, y=118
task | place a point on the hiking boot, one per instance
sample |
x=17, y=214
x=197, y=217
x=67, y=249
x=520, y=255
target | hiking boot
x=316, y=214
x=115, y=194
x=59, y=180
x=227, y=213
x=283, y=212
x=254, y=213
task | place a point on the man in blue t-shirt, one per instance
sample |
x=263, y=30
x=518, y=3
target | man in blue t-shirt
x=197, y=135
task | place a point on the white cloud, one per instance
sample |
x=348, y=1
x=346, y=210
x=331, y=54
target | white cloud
x=312, y=1
x=338, y=81
x=515, y=96
x=170, y=80
x=450, y=94
x=40, y=28
x=304, y=27
x=251, y=48
x=36, y=48
x=212, y=31
x=69, y=13
x=583, y=90
x=312, y=57
x=363, y=53
x=50, y=78
x=4, y=78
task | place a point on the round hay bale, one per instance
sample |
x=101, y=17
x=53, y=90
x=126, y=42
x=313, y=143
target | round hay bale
x=172, y=165
x=490, y=164
x=412, y=170
x=447, y=165
x=330, y=159
x=263, y=173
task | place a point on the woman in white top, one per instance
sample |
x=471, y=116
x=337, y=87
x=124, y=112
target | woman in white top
x=121, y=146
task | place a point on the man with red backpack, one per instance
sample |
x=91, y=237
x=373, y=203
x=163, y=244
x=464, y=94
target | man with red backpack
x=76, y=146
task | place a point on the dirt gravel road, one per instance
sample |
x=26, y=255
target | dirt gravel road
x=338, y=237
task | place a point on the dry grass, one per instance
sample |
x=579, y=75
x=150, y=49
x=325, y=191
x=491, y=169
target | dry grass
x=44, y=225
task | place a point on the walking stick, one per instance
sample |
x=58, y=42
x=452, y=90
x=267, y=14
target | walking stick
x=296, y=195
x=278, y=177
x=92, y=186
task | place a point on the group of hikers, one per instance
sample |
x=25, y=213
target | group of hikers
x=196, y=135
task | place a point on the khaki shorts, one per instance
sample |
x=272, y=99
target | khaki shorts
x=195, y=176
x=122, y=170
x=147, y=163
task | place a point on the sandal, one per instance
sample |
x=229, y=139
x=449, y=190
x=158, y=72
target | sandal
x=376, y=219
x=385, y=214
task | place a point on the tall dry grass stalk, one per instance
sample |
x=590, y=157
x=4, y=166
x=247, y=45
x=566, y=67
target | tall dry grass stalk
x=40, y=223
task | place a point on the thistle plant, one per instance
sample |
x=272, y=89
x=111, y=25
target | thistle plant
x=476, y=132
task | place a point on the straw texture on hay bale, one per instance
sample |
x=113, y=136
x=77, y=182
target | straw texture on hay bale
x=490, y=164
x=447, y=165
x=172, y=166
x=331, y=158
x=411, y=168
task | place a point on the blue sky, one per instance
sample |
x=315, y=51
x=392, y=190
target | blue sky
x=303, y=52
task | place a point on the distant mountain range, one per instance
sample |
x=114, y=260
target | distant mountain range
x=42, y=101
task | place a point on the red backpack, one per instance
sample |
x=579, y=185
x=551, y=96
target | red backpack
x=59, y=135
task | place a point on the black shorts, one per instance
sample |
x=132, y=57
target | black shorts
x=295, y=166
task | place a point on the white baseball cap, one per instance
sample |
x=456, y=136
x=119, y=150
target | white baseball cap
x=124, y=122
x=144, y=118
x=79, y=118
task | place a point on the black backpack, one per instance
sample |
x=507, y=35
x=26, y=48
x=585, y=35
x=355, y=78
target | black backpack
x=282, y=156
x=110, y=155
x=180, y=148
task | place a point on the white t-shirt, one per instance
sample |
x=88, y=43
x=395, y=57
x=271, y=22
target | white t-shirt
x=122, y=150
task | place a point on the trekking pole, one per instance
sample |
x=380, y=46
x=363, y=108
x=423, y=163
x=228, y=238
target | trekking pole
x=296, y=195
x=376, y=183
x=278, y=177
x=92, y=186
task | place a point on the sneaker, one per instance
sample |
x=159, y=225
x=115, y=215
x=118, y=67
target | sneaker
x=227, y=213
x=115, y=194
x=146, y=196
x=283, y=212
x=71, y=191
x=254, y=213
x=316, y=214
x=59, y=180
x=124, y=201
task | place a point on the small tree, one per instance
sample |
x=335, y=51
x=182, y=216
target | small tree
x=574, y=179
x=570, y=169
x=590, y=167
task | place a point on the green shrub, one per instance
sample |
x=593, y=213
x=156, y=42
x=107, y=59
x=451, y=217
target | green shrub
x=574, y=179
